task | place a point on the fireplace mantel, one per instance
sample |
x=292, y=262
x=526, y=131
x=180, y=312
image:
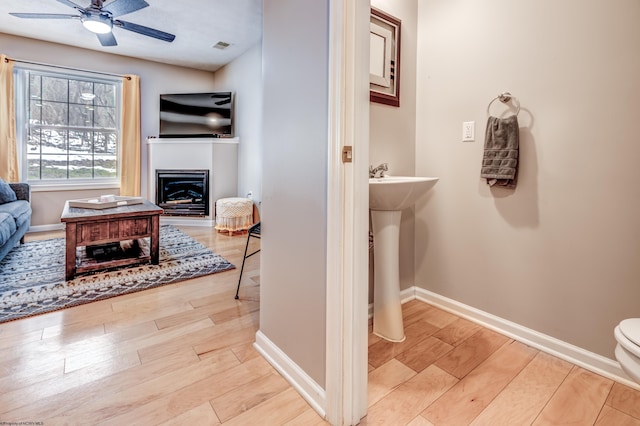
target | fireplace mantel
x=218, y=155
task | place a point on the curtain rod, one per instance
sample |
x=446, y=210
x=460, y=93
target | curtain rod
x=65, y=68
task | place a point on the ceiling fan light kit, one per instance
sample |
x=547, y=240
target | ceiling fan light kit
x=98, y=18
x=97, y=23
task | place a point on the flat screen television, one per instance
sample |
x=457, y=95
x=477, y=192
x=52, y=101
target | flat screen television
x=196, y=115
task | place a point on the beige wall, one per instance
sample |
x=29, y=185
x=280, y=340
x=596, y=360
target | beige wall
x=392, y=130
x=560, y=254
x=294, y=203
x=155, y=78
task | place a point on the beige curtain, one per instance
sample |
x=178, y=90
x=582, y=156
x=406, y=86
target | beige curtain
x=131, y=166
x=8, y=143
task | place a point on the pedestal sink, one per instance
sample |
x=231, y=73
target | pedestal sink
x=388, y=196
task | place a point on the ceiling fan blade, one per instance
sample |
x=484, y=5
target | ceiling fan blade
x=122, y=7
x=107, y=39
x=71, y=4
x=160, y=35
x=43, y=16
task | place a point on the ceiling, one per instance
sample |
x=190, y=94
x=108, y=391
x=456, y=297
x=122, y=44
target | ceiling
x=197, y=24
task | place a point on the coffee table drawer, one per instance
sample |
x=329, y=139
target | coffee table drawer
x=117, y=229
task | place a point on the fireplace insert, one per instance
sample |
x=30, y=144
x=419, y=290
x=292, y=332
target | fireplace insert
x=183, y=192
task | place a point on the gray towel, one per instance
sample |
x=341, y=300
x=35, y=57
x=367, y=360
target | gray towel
x=500, y=159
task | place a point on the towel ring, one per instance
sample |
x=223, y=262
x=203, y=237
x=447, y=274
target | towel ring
x=504, y=98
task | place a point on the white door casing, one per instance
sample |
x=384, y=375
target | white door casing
x=347, y=213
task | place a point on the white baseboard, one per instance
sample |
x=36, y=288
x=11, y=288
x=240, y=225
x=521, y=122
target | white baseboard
x=588, y=360
x=305, y=385
x=45, y=228
x=187, y=222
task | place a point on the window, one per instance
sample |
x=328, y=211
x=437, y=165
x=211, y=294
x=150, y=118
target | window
x=68, y=127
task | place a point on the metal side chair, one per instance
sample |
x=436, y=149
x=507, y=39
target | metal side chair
x=254, y=232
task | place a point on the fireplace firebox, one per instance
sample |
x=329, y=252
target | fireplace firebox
x=183, y=192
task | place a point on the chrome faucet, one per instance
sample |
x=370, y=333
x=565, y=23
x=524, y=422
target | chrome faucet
x=379, y=171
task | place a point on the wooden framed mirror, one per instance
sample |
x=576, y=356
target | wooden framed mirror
x=384, y=60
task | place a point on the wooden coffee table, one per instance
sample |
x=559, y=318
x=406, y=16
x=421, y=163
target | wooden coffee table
x=93, y=227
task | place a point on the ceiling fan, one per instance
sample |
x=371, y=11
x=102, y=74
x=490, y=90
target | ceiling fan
x=99, y=19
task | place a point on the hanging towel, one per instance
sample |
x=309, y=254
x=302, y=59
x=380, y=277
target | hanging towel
x=500, y=159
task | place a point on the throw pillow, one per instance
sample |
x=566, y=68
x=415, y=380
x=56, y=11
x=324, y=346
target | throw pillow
x=6, y=193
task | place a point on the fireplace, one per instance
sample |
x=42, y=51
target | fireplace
x=183, y=192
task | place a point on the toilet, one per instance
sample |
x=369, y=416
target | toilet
x=627, y=352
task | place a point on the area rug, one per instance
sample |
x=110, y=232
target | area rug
x=32, y=275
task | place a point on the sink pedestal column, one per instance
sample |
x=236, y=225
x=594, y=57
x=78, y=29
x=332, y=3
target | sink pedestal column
x=387, y=308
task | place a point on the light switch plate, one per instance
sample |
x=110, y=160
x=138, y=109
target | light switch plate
x=468, y=131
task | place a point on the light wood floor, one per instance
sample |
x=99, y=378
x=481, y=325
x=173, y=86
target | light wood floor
x=182, y=354
x=450, y=371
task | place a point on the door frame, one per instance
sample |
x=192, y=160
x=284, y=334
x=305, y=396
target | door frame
x=347, y=213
